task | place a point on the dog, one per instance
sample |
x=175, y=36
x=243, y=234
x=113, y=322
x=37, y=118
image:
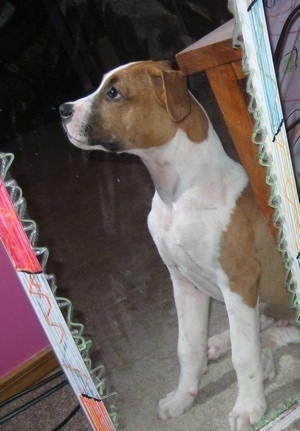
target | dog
x=205, y=223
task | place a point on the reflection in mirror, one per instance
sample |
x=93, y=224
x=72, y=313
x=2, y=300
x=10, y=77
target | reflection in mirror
x=92, y=207
x=62, y=57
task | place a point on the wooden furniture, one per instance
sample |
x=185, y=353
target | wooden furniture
x=221, y=63
x=26, y=356
x=28, y=373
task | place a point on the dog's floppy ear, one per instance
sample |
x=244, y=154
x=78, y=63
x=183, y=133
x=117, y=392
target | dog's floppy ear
x=172, y=92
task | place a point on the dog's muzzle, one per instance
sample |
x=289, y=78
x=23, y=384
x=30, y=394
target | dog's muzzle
x=81, y=134
x=66, y=111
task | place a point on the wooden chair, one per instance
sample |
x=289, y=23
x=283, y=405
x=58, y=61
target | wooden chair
x=221, y=63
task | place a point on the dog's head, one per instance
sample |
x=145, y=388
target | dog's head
x=139, y=105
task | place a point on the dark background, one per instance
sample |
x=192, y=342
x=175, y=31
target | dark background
x=56, y=50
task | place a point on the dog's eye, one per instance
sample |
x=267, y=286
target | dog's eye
x=113, y=94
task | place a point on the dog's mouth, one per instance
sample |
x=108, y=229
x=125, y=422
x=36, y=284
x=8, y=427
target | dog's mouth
x=80, y=143
x=84, y=136
x=87, y=143
x=107, y=145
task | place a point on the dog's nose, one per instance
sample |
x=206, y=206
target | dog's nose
x=66, y=110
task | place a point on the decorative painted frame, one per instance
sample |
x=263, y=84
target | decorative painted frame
x=19, y=236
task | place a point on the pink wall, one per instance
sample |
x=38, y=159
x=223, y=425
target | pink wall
x=20, y=331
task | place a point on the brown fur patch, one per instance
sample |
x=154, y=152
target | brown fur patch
x=250, y=258
x=196, y=124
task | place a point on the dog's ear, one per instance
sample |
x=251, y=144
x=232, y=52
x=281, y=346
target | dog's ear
x=172, y=92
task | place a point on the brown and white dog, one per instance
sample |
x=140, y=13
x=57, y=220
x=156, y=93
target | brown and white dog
x=205, y=223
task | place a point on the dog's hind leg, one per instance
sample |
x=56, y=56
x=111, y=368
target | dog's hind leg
x=274, y=335
x=220, y=344
x=273, y=338
x=192, y=310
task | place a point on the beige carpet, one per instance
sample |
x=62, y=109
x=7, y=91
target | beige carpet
x=142, y=366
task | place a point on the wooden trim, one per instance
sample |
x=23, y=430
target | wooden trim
x=28, y=373
x=232, y=103
x=238, y=70
x=198, y=59
x=212, y=50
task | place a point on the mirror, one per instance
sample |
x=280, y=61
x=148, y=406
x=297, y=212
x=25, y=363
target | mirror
x=91, y=207
x=62, y=57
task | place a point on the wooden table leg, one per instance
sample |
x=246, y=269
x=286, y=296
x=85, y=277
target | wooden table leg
x=225, y=86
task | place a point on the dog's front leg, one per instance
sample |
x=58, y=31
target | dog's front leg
x=244, y=332
x=192, y=309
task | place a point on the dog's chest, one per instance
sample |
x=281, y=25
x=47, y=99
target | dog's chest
x=188, y=236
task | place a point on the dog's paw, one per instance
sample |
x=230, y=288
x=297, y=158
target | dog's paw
x=267, y=360
x=218, y=345
x=243, y=416
x=268, y=348
x=175, y=404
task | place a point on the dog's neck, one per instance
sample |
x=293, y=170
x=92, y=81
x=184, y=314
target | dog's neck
x=181, y=164
x=164, y=175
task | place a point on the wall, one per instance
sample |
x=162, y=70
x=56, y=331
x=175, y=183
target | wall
x=20, y=331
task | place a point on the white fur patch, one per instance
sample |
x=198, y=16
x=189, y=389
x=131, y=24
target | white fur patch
x=188, y=231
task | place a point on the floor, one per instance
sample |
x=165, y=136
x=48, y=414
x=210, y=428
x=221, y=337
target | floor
x=91, y=210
